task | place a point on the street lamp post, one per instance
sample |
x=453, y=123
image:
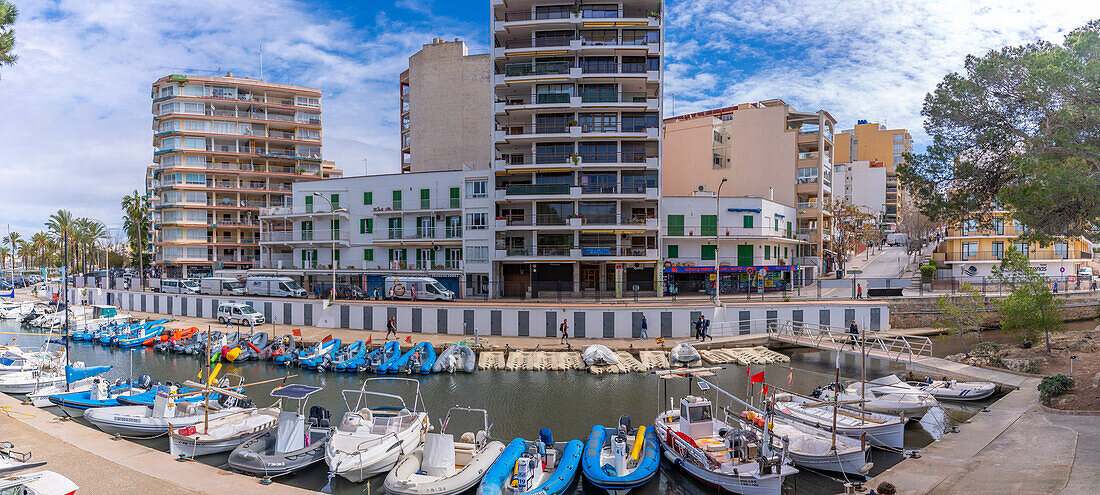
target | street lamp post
x=717, y=251
x=332, y=258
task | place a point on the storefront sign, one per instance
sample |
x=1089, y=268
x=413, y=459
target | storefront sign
x=596, y=251
x=730, y=269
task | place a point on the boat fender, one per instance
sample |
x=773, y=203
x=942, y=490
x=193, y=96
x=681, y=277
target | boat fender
x=254, y=348
x=639, y=442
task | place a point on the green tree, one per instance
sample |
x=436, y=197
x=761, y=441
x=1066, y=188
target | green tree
x=1031, y=309
x=8, y=15
x=964, y=312
x=135, y=209
x=1019, y=128
x=60, y=225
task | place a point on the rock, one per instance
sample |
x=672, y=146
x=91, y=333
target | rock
x=1021, y=365
x=1091, y=334
x=1081, y=346
x=1096, y=380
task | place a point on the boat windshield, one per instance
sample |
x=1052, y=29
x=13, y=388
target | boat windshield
x=698, y=413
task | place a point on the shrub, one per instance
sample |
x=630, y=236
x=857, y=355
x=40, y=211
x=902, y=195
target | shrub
x=927, y=273
x=985, y=349
x=1054, y=385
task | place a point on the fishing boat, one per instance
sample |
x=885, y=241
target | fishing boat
x=350, y=357
x=380, y=359
x=297, y=443
x=419, y=359
x=620, y=459
x=599, y=355
x=370, y=441
x=684, y=354
x=883, y=430
x=887, y=395
x=955, y=390
x=155, y=420
x=725, y=453
x=442, y=466
x=813, y=448
x=542, y=466
x=77, y=379
x=101, y=394
x=25, y=382
x=319, y=359
x=184, y=394
x=15, y=310
x=457, y=357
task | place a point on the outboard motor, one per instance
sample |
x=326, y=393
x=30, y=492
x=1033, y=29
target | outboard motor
x=619, y=447
x=816, y=393
x=145, y=381
x=546, y=437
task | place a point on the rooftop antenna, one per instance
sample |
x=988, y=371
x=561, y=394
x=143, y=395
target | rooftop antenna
x=261, y=61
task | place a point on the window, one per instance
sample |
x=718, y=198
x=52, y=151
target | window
x=675, y=225
x=305, y=101
x=335, y=201
x=899, y=138
x=998, y=226
x=335, y=226
x=397, y=199
x=475, y=221
x=425, y=227
x=194, y=143
x=454, y=226
x=899, y=148
x=1018, y=227
x=1061, y=249
x=708, y=225
x=898, y=158
x=638, y=122
x=309, y=204
x=746, y=221
x=366, y=225
x=598, y=93
x=969, y=225
x=307, y=230
x=477, y=254
x=1022, y=247
x=998, y=249
x=454, y=197
x=476, y=189
x=552, y=152
x=398, y=257
x=706, y=252
x=194, y=108
x=599, y=122
x=368, y=198
x=767, y=253
x=425, y=199
x=673, y=251
x=395, y=228
x=970, y=250
x=806, y=175
x=368, y=254
x=598, y=152
x=195, y=197
x=553, y=93
x=720, y=161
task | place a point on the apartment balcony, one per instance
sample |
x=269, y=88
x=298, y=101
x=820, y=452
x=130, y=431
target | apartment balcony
x=517, y=20
x=810, y=136
x=420, y=237
x=811, y=208
x=600, y=45
x=566, y=191
x=697, y=232
x=533, y=162
x=409, y=268
x=321, y=211
x=536, y=72
x=1032, y=255
x=626, y=100
x=317, y=237
x=520, y=133
x=558, y=222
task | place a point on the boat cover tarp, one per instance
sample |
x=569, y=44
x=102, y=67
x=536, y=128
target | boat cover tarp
x=599, y=354
x=73, y=374
x=439, y=455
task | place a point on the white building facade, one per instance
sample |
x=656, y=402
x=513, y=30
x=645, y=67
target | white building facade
x=864, y=184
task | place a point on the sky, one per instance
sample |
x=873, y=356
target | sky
x=75, y=111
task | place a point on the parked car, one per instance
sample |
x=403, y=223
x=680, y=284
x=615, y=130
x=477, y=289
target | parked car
x=1085, y=272
x=239, y=313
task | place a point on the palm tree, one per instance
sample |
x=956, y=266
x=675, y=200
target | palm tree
x=12, y=240
x=41, y=243
x=61, y=225
x=24, y=249
x=8, y=14
x=4, y=254
x=135, y=207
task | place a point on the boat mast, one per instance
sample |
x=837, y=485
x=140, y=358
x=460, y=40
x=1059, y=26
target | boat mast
x=836, y=401
x=65, y=282
x=206, y=409
x=863, y=374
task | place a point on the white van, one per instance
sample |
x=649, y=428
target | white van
x=273, y=286
x=1085, y=272
x=177, y=286
x=239, y=313
x=222, y=285
x=425, y=289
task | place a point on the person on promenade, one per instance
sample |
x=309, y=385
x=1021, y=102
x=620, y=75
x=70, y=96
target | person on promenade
x=391, y=327
x=698, y=325
x=853, y=330
x=884, y=488
x=859, y=291
x=706, y=330
x=564, y=329
x=644, y=334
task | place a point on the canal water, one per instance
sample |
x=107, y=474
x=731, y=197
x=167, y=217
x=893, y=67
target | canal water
x=522, y=402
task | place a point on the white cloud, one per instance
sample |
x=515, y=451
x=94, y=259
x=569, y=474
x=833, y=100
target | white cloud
x=870, y=60
x=75, y=126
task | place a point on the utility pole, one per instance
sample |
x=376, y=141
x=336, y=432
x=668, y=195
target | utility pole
x=717, y=239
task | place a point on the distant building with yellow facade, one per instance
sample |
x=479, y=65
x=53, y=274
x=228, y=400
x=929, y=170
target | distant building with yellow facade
x=876, y=143
x=971, y=250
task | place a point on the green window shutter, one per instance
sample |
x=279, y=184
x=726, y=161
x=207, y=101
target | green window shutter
x=362, y=225
x=397, y=199
x=370, y=225
x=746, y=221
x=744, y=255
x=675, y=225
x=309, y=204
x=789, y=233
x=673, y=251
x=368, y=254
x=454, y=197
x=767, y=252
x=707, y=252
x=368, y=198
x=777, y=225
x=784, y=252
x=335, y=199
x=337, y=256
x=709, y=224
x=425, y=199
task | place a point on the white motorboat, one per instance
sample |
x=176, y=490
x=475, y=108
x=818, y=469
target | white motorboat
x=155, y=420
x=956, y=390
x=222, y=434
x=887, y=395
x=882, y=430
x=12, y=460
x=79, y=380
x=370, y=441
x=684, y=354
x=442, y=466
x=730, y=455
x=457, y=357
x=15, y=310
x=38, y=483
x=296, y=444
x=54, y=320
x=25, y=382
x=818, y=449
x=599, y=355
x=14, y=359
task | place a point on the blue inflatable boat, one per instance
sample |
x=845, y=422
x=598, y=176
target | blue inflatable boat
x=351, y=357
x=541, y=467
x=618, y=459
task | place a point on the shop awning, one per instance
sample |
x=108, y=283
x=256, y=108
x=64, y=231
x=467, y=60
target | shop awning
x=745, y=210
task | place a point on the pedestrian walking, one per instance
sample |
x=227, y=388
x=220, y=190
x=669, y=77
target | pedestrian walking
x=859, y=291
x=391, y=327
x=706, y=330
x=377, y=294
x=1055, y=286
x=1078, y=287
x=853, y=330
x=644, y=334
x=698, y=324
x=1094, y=285
x=564, y=329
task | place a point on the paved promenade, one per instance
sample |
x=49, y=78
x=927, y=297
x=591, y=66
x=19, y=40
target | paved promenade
x=104, y=466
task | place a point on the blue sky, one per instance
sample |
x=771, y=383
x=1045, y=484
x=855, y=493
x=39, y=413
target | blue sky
x=75, y=125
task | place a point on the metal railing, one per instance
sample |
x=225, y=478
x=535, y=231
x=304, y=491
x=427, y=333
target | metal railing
x=584, y=158
x=536, y=68
x=892, y=346
x=1035, y=254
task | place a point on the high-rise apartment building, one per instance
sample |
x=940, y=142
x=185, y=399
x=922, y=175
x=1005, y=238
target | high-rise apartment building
x=875, y=142
x=224, y=147
x=576, y=145
x=766, y=149
x=863, y=184
x=445, y=116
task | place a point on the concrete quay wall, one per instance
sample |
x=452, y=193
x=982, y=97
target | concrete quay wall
x=506, y=319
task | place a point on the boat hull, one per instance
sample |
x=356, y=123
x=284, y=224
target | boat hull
x=251, y=457
x=742, y=485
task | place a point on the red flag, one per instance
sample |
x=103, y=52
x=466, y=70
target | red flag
x=297, y=332
x=748, y=371
x=757, y=378
x=369, y=337
x=660, y=340
x=327, y=338
x=408, y=339
x=765, y=391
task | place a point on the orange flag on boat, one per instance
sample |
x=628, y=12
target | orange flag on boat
x=757, y=378
x=368, y=339
x=327, y=338
x=408, y=339
x=660, y=340
x=765, y=391
x=297, y=332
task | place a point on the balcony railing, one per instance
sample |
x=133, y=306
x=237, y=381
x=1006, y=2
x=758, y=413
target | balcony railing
x=586, y=13
x=536, y=68
x=1033, y=254
x=585, y=158
x=611, y=97
x=539, y=42
x=536, y=189
x=612, y=68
